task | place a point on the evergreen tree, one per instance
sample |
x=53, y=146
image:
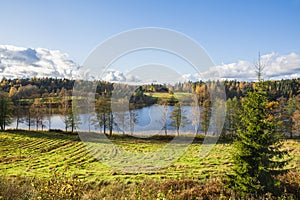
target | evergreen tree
x=258, y=147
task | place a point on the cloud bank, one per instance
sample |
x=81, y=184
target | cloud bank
x=20, y=62
x=276, y=67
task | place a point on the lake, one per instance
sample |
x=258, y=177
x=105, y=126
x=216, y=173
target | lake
x=149, y=120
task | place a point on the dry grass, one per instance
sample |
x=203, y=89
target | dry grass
x=62, y=187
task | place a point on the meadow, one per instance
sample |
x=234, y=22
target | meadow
x=164, y=96
x=37, y=160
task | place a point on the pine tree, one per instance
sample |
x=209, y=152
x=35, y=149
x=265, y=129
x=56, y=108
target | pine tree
x=258, y=155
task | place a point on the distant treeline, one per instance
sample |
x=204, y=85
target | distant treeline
x=45, y=87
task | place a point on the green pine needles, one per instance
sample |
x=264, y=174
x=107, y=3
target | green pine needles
x=258, y=148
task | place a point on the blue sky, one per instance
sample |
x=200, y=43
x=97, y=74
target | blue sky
x=229, y=30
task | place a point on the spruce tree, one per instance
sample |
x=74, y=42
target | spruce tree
x=258, y=147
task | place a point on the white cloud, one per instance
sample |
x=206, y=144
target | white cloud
x=113, y=75
x=275, y=67
x=20, y=62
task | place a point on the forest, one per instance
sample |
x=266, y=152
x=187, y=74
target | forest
x=31, y=100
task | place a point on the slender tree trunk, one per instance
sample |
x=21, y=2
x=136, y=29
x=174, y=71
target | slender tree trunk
x=291, y=128
x=111, y=120
x=50, y=114
x=72, y=124
x=104, y=124
x=18, y=115
x=37, y=124
x=17, y=125
x=29, y=121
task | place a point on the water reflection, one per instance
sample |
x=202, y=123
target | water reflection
x=149, y=120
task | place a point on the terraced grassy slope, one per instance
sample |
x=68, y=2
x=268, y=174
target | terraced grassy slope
x=38, y=154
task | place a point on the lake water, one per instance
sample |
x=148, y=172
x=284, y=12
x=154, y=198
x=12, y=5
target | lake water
x=149, y=120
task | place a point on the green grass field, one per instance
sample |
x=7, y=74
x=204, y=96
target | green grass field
x=181, y=96
x=38, y=154
x=42, y=154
